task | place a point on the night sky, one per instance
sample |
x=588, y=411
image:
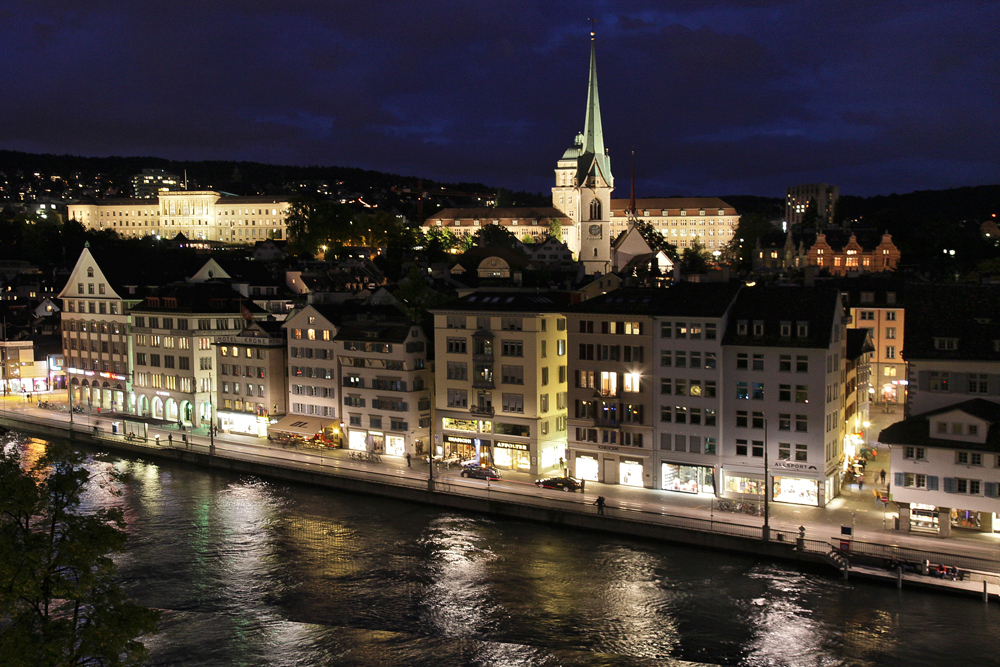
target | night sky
x=715, y=97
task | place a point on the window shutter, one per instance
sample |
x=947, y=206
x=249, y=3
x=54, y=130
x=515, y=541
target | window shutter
x=932, y=483
x=993, y=384
x=923, y=380
x=949, y=485
x=900, y=479
x=990, y=489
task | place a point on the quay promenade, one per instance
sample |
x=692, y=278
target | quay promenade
x=805, y=534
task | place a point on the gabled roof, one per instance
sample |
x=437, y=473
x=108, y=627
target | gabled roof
x=917, y=430
x=672, y=203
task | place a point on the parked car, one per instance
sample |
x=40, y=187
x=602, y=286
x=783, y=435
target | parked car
x=564, y=483
x=481, y=473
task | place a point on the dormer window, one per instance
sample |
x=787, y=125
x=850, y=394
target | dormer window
x=758, y=328
x=786, y=329
x=945, y=343
x=741, y=328
x=802, y=329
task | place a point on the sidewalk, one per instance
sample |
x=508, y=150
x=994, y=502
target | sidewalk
x=853, y=507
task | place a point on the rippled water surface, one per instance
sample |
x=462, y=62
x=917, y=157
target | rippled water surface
x=251, y=572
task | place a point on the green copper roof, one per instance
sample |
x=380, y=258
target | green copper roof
x=592, y=155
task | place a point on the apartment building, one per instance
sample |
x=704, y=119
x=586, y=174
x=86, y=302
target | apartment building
x=877, y=305
x=96, y=336
x=372, y=362
x=500, y=379
x=173, y=332
x=952, y=345
x=783, y=396
x=946, y=468
x=644, y=407
x=251, y=384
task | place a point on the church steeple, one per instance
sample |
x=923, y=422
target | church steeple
x=593, y=157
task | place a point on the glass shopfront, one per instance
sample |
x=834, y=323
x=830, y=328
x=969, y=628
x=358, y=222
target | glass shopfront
x=395, y=445
x=587, y=468
x=630, y=472
x=461, y=446
x=511, y=455
x=687, y=478
x=923, y=516
x=358, y=440
x=796, y=490
x=753, y=486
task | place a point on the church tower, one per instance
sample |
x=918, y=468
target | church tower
x=584, y=184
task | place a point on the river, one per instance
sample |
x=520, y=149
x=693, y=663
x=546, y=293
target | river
x=254, y=572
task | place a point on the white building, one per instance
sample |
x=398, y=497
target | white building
x=199, y=215
x=783, y=389
x=952, y=344
x=946, y=468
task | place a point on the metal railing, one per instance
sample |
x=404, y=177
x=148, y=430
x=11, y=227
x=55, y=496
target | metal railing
x=895, y=553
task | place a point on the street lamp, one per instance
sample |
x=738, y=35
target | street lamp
x=766, y=530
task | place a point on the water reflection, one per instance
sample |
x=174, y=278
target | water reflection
x=260, y=573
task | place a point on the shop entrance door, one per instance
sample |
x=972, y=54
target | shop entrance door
x=610, y=471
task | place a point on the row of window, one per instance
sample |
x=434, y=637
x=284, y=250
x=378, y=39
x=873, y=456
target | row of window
x=755, y=390
x=972, y=487
x=94, y=326
x=168, y=361
x=248, y=388
x=977, y=383
x=100, y=307
x=684, y=359
x=692, y=444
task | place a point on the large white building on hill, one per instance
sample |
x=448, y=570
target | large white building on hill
x=199, y=215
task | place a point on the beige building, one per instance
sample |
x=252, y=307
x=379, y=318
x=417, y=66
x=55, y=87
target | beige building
x=682, y=220
x=500, y=379
x=251, y=383
x=202, y=215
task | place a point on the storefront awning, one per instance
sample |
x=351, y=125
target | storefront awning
x=300, y=425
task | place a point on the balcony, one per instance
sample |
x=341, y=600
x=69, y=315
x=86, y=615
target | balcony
x=483, y=383
x=482, y=410
x=607, y=392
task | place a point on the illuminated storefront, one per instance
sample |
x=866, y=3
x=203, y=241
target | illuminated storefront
x=358, y=440
x=796, y=490
x=630, y=472
x=243, y=422
x=785, y=487
x=395, y=445
x=687, y=478
x=587, y=468
x=512, y=455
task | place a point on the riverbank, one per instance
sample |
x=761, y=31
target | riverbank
x=520, y=500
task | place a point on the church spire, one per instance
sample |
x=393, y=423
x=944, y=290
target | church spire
x=593, y=157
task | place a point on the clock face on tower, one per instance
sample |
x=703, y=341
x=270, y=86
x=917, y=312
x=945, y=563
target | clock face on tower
x=595, y=230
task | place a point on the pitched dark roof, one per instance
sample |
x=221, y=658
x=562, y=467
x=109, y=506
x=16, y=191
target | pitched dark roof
x=773, y=305
x=523, y=301
x=197, y=298
x=967, y=312
x=679, y=299
x=858, y=342
x=917, y=431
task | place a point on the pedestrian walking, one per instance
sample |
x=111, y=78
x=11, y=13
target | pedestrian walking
x=882, y=475
x=600, y=504
x=861, y=482
x=170, y=439
x=407, y=459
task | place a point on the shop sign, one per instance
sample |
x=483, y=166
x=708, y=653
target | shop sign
x=785, y=464
x=459, y=439
x=610, y=448
x=510, y=445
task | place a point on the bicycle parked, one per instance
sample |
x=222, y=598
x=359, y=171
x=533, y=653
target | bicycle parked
x=366, y=457
x=753, y=509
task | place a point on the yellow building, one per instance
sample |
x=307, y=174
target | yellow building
x=199, y=215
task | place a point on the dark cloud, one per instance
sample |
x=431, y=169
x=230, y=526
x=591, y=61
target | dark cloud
x=714, y=96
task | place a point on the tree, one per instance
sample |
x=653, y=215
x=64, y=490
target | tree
x=495, y=236
x=60, y=603
x=655, y=240
x=696, y=259
x=555, y=229
x=738, y=253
